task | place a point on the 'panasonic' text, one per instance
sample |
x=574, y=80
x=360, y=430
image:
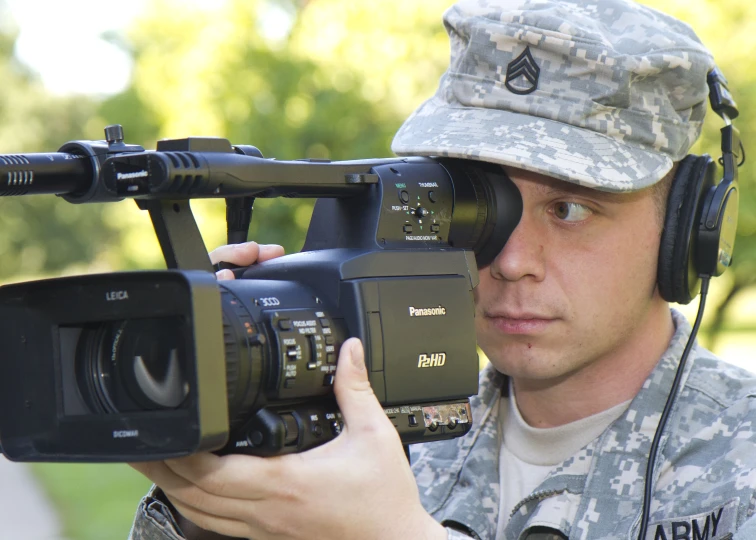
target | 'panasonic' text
x=130, y=175
x=427, y=312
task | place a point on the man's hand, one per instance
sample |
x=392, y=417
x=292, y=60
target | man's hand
x=243, y=255
x=357, y=486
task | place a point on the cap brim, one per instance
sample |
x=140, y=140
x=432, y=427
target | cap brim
x=559, y=150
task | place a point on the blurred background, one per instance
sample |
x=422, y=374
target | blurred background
x=296, y=78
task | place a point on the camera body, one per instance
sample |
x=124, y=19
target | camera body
x=158, y=364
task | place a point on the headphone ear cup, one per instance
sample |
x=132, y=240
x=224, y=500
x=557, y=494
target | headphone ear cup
x=676, y=279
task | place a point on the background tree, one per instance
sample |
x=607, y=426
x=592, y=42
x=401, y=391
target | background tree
x=42, y=234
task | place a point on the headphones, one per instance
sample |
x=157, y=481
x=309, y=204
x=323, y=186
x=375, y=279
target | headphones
x=702, y=214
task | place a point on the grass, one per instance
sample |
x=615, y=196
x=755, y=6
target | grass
x=95, y=502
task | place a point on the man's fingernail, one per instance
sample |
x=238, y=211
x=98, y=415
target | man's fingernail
x=358, y=358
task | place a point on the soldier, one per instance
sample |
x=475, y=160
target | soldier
x=590, y=109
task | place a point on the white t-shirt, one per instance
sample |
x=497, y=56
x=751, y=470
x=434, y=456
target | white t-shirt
x=528, y=454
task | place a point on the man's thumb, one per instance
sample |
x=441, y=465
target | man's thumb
x=355, y=396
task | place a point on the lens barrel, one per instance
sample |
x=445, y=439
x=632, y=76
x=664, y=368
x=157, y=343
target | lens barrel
x=133, y=365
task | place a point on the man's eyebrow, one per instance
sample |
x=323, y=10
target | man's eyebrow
x=574, y=189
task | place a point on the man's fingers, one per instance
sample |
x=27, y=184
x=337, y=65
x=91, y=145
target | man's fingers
x=178, y=488
x=357, y=402
x=246, y=253
x=237, y=476
x=269, y=251
x=239, y=254
x=224, y=275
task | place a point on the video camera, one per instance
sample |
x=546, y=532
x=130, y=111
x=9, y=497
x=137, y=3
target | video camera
x=151, y=365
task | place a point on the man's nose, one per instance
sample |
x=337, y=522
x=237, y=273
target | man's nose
x=523, y=255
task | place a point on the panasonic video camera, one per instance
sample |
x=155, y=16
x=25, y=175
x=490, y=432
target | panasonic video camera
x=157, y=364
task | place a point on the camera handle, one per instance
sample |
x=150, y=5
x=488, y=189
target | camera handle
x=238, y=218
x=178, y=234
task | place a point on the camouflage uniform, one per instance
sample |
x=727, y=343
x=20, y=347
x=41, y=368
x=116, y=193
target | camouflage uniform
x=705, y=476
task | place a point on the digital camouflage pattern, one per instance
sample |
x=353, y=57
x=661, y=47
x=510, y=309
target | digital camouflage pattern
x=704, y=481
x=603, y=93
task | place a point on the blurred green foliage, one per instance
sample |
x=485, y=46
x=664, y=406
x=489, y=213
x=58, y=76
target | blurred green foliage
x=296, y=78
x=95, y=502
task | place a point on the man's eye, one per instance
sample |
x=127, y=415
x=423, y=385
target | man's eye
x=569, y=211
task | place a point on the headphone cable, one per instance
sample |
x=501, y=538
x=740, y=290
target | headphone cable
x=649, y=481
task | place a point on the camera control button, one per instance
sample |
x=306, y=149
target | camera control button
x=325, y=323
x=289, y=382
x=421, y=212
x=408, y=229
x=432, y=196
x=329, y=340
x=404, y=196
x=317, y=429
x=291, y=429
x=284, y=324
x=330, y=358
x=435, y=227
x=256, y=438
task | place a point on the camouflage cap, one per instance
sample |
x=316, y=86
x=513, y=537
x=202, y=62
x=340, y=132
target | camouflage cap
x=602, y=93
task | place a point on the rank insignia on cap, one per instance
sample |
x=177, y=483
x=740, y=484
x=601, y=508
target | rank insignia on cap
x=522, y=74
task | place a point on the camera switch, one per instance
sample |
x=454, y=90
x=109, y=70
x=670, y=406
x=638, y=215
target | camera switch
x=291, y=353
x=291, y=429
x=328, y=379
x=412, y=420
x=336, y=427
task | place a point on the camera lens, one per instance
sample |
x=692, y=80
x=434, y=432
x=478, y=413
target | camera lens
x=132, y=365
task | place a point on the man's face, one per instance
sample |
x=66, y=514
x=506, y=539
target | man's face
x=575, y=284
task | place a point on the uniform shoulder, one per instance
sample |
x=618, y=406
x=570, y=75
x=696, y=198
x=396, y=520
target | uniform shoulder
x=720, y=381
